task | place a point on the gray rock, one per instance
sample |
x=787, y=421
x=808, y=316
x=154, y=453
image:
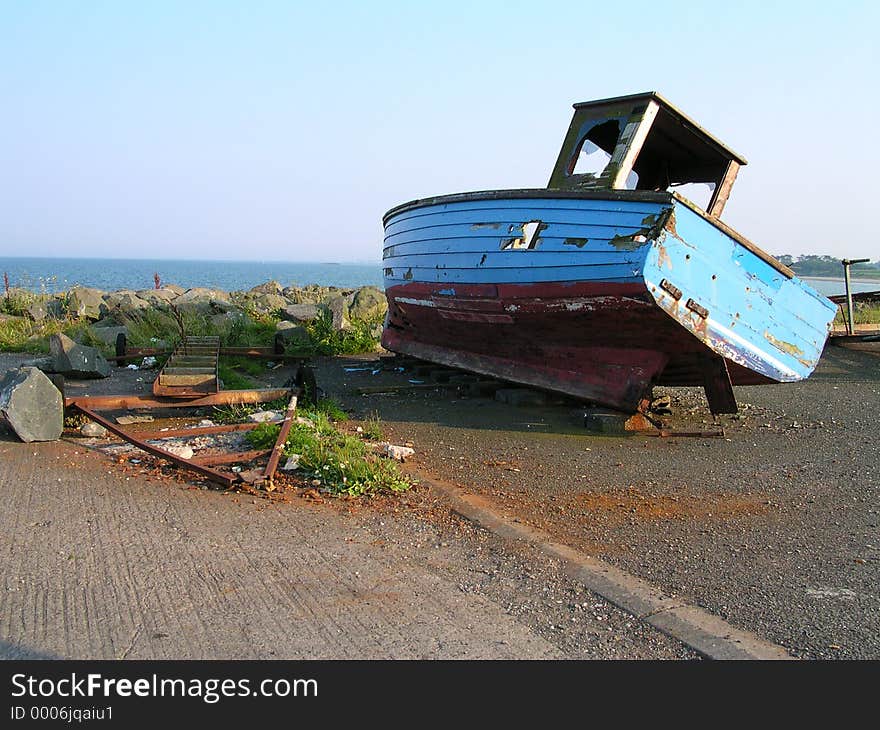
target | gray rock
x=201, y=294
x=76, y=361
x=300, y=312
x=178, y=290
x=37, y=311
x=31, y=405
x=311, y=294
x=368, y=303
x=338, y=310
x=290, y=332
x=85, y=302
x=107, y=333
x=265, y=302
x=123, y=301
x=205, y=300
x=225, y=320
x=157, y=297
x=270, y=287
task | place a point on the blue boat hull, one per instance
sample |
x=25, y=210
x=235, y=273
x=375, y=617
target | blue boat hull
x=599, y=295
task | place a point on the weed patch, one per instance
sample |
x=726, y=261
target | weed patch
x=343, y=464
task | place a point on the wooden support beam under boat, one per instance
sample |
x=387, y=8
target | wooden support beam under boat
x=719, y=389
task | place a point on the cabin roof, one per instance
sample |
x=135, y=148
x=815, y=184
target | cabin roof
x=673, y=124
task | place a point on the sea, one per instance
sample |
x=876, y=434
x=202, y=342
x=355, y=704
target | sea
x=52, y=275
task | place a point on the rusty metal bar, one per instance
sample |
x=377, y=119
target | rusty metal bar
x=667, y=433
x=226, y=480
x=223, y=398
x=197, y=431
x=282, y=438
x=230, y=457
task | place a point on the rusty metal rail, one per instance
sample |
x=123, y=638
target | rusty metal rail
x=223, y=398
x=283, y=432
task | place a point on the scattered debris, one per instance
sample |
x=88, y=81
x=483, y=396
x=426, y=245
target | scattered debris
x=292, y=463
x=128, y=420
x=184, y=452
x=400, y=453
x=31, y=405
x=93, y=430
x=264, y=416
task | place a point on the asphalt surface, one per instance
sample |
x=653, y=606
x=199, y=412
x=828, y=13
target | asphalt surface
x=106, y=559
x=773, y=527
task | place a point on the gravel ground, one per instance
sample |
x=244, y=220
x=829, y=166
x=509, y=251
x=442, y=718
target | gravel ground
x=773, y=528
x=107, y=559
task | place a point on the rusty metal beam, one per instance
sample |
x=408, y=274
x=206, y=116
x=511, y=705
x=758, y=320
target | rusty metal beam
x=223, y=398
x=227, y=480
x=282, y=438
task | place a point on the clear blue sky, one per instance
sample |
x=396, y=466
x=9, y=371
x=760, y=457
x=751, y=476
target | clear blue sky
x=284, y=130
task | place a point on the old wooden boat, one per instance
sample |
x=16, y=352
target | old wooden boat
x=607, y=282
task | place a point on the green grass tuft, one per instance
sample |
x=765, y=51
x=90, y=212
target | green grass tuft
x=325, y=341
x=373, y=428
x=343, y=464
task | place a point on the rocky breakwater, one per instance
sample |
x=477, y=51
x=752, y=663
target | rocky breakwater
x=292, y=310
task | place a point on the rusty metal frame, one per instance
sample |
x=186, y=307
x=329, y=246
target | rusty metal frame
x=89, y=406
x=227, y=480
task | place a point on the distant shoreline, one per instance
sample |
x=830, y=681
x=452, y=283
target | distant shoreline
x=840, y=278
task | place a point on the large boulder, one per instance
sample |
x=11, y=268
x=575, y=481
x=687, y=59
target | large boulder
x=157, y=297
x=204, y=300
x=300, y=312
x=264, y=303
x=367, y=304
x=107, y=333
x=31, y=405
x=288, y=332
x=224, y=321
x=311, y=294
x=76, y=361
x=125, y=301
x=85, y=302
x=270, y=287
x=338, y=309
x=178, y=290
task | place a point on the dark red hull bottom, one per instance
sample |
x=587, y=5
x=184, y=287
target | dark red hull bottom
x=604, y=343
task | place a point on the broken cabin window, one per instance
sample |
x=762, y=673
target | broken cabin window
x=596, y=148
x=698, y=193
x=591, y=160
